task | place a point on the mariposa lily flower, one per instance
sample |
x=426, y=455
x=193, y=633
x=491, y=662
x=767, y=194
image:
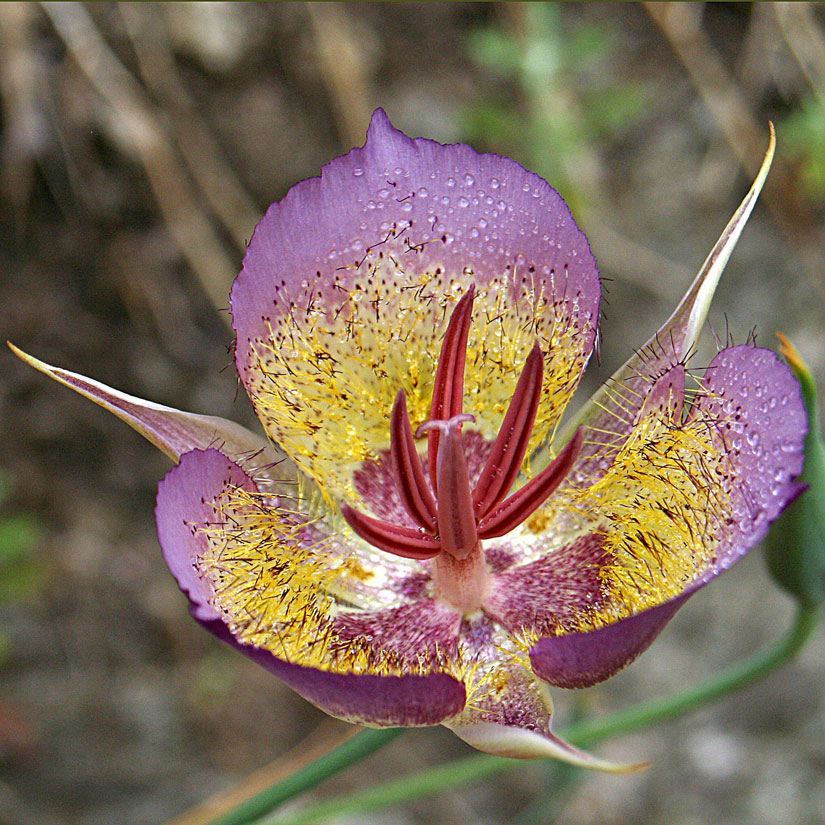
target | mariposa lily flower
x=410, y=327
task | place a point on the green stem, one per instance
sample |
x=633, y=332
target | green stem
x=461, y=771
x=720, y=684
x=353, y=750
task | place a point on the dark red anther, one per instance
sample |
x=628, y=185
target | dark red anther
x=523, y=503
x=412, y=486
x=448, y=390
x=504, y=462
x=401, y=541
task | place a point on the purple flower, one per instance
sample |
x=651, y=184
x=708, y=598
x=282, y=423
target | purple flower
x=410, y=328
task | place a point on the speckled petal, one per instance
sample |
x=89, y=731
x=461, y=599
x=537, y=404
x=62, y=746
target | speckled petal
x=765, y=425
x=185, y=506
x=608, y=416
x=551, y=593
x=752, y=405
x=170, y=430
x=349, y=281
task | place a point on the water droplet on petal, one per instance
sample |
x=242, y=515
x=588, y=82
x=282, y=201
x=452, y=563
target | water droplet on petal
x=423, y=192
x=462, y=201
x=469, y=179
x=358, y=171
x=450, y=182
x=494, y=183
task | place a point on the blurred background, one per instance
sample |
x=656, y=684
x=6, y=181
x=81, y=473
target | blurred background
x=140, y=143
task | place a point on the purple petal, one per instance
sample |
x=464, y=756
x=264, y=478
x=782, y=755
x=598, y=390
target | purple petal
x=184, y=503
x=577, y=660
x=349, y=281
x=763, y=425
x=173, y=431
x=764, y=433
x=328, y=222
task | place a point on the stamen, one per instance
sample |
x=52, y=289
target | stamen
x=412, y=486
x=401, y=541
x=504, y=462
x=448, y=391
x=523, y=503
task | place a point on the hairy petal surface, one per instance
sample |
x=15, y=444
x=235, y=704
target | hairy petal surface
x=266, y=595
x=350, y=280
x=751, y=408
x=172, y=431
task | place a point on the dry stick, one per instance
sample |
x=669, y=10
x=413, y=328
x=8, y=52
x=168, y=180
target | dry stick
x=179, y=206
x=681, y=25
x=343, y=68
x=801, y=32
x=329, y=734
x=201, y=152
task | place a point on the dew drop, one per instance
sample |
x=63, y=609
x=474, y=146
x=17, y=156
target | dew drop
x=494, y=183
x=482, y=222
x=406, y=206
x=462, y=201
x=474, y=233
x=398, y=170
x=423, y=192
x=469, y=179
x=525, y=187
x=450, y=182
x=384, y=193
x=370, y=204
x=358, y=171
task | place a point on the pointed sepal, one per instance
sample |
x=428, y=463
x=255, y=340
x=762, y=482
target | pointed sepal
x=615, y=403
x=172, y=431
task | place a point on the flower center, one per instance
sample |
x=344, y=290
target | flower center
x=452, y=516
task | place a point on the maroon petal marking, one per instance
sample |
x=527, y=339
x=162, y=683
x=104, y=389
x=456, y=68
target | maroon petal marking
x=448, y=390
x=401, y=541
x=412, y=486
x=577, y=660
x=504, y=462
x=528, y=499
x=423, y=629
x=552, y=593
x=184, y=498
